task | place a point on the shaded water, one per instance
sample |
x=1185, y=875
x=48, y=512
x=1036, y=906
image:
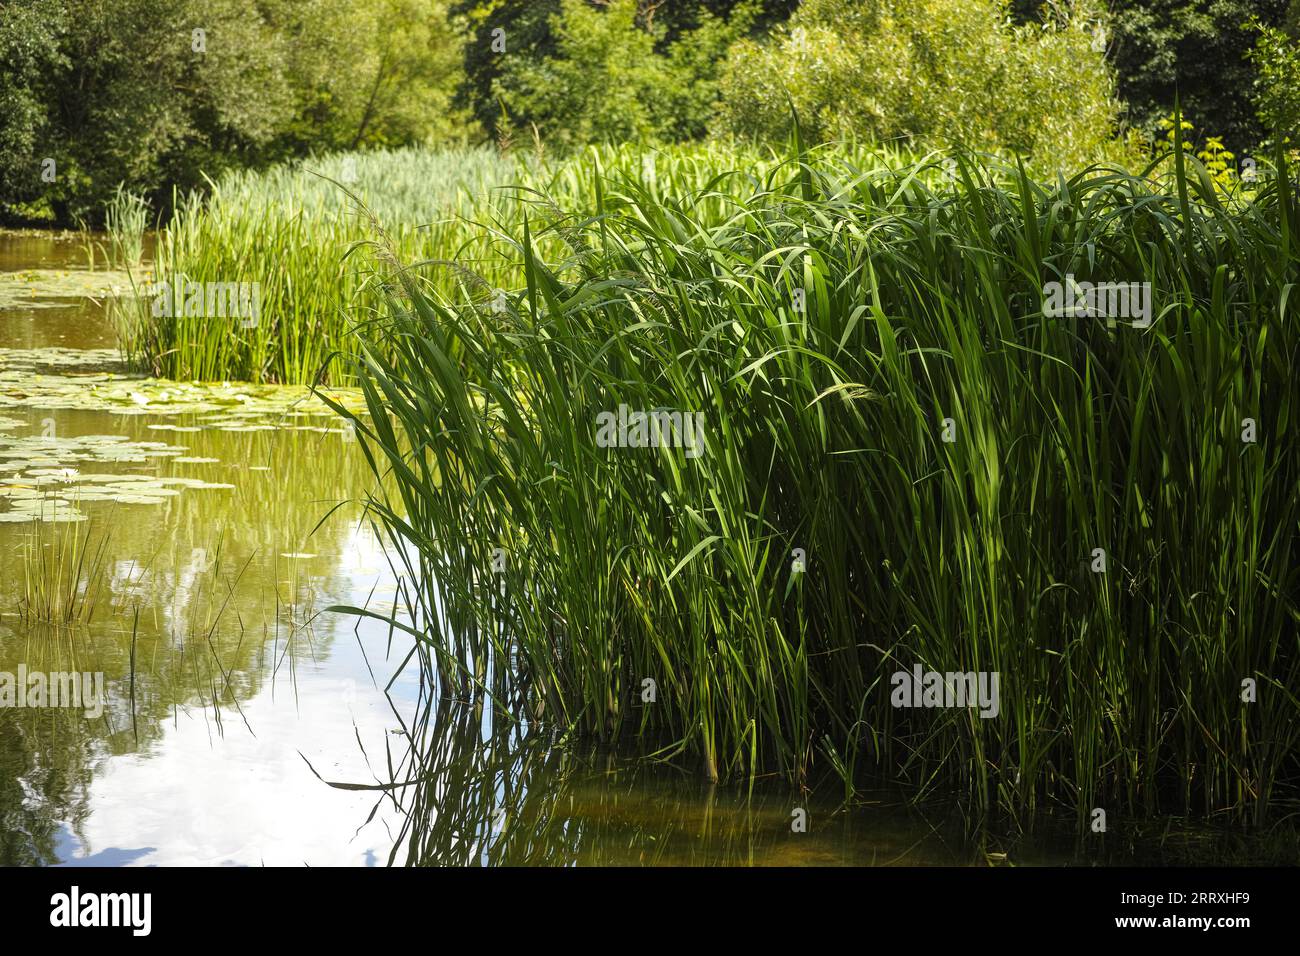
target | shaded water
x=181, y=541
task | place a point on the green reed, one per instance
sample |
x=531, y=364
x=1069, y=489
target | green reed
x=293, y=229
x=923, y=301
x=65, y=575
x=126, y=218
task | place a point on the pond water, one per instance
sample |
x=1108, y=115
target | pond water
x=183, y=541
x=185, y=519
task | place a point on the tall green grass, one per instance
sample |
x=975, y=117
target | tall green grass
x=126, y=219
x=824, y=431
x=64, y=575
x=292, y=230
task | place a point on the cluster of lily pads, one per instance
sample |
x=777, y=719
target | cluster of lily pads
x=95, y=380
x=39, y=477
x=38, y=483
x=50, y=288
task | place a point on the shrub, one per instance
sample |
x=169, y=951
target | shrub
x=1277, y=87
x=930, y=71
x=608, y=80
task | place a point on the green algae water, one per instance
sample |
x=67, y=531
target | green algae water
x=181, y=541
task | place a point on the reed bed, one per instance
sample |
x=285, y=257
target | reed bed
x=835, y=324
x=126, y=219
x=292, y=229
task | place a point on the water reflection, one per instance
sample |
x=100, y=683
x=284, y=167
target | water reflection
x=205, y=530
x=470, y=789
x=219, y=670
x=471, y=793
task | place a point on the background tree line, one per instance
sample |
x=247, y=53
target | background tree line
x=125, y=91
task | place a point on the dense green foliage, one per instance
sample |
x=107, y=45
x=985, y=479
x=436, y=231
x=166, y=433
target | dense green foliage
x=826, y=429
x=861, y=330
x=608, y=82
x=94, y=95
x=291, y=229
x=1277, y=87
x=1196, y=50
x=126, y=92
x=936, y=71
x=554, y=48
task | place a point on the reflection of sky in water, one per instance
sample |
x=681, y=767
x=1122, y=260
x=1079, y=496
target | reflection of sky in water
x=205, y=800
x=200, y=797
x=205, y=787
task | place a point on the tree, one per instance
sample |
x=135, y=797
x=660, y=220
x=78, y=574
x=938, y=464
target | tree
x=116, y=92
x=612, y=77
x=369, y=73
x=1277, y=86
x=494, y=32
x=29, y=56
x=1197, y=51
x=934, y=72
x=506, y=39
x=156, y=93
